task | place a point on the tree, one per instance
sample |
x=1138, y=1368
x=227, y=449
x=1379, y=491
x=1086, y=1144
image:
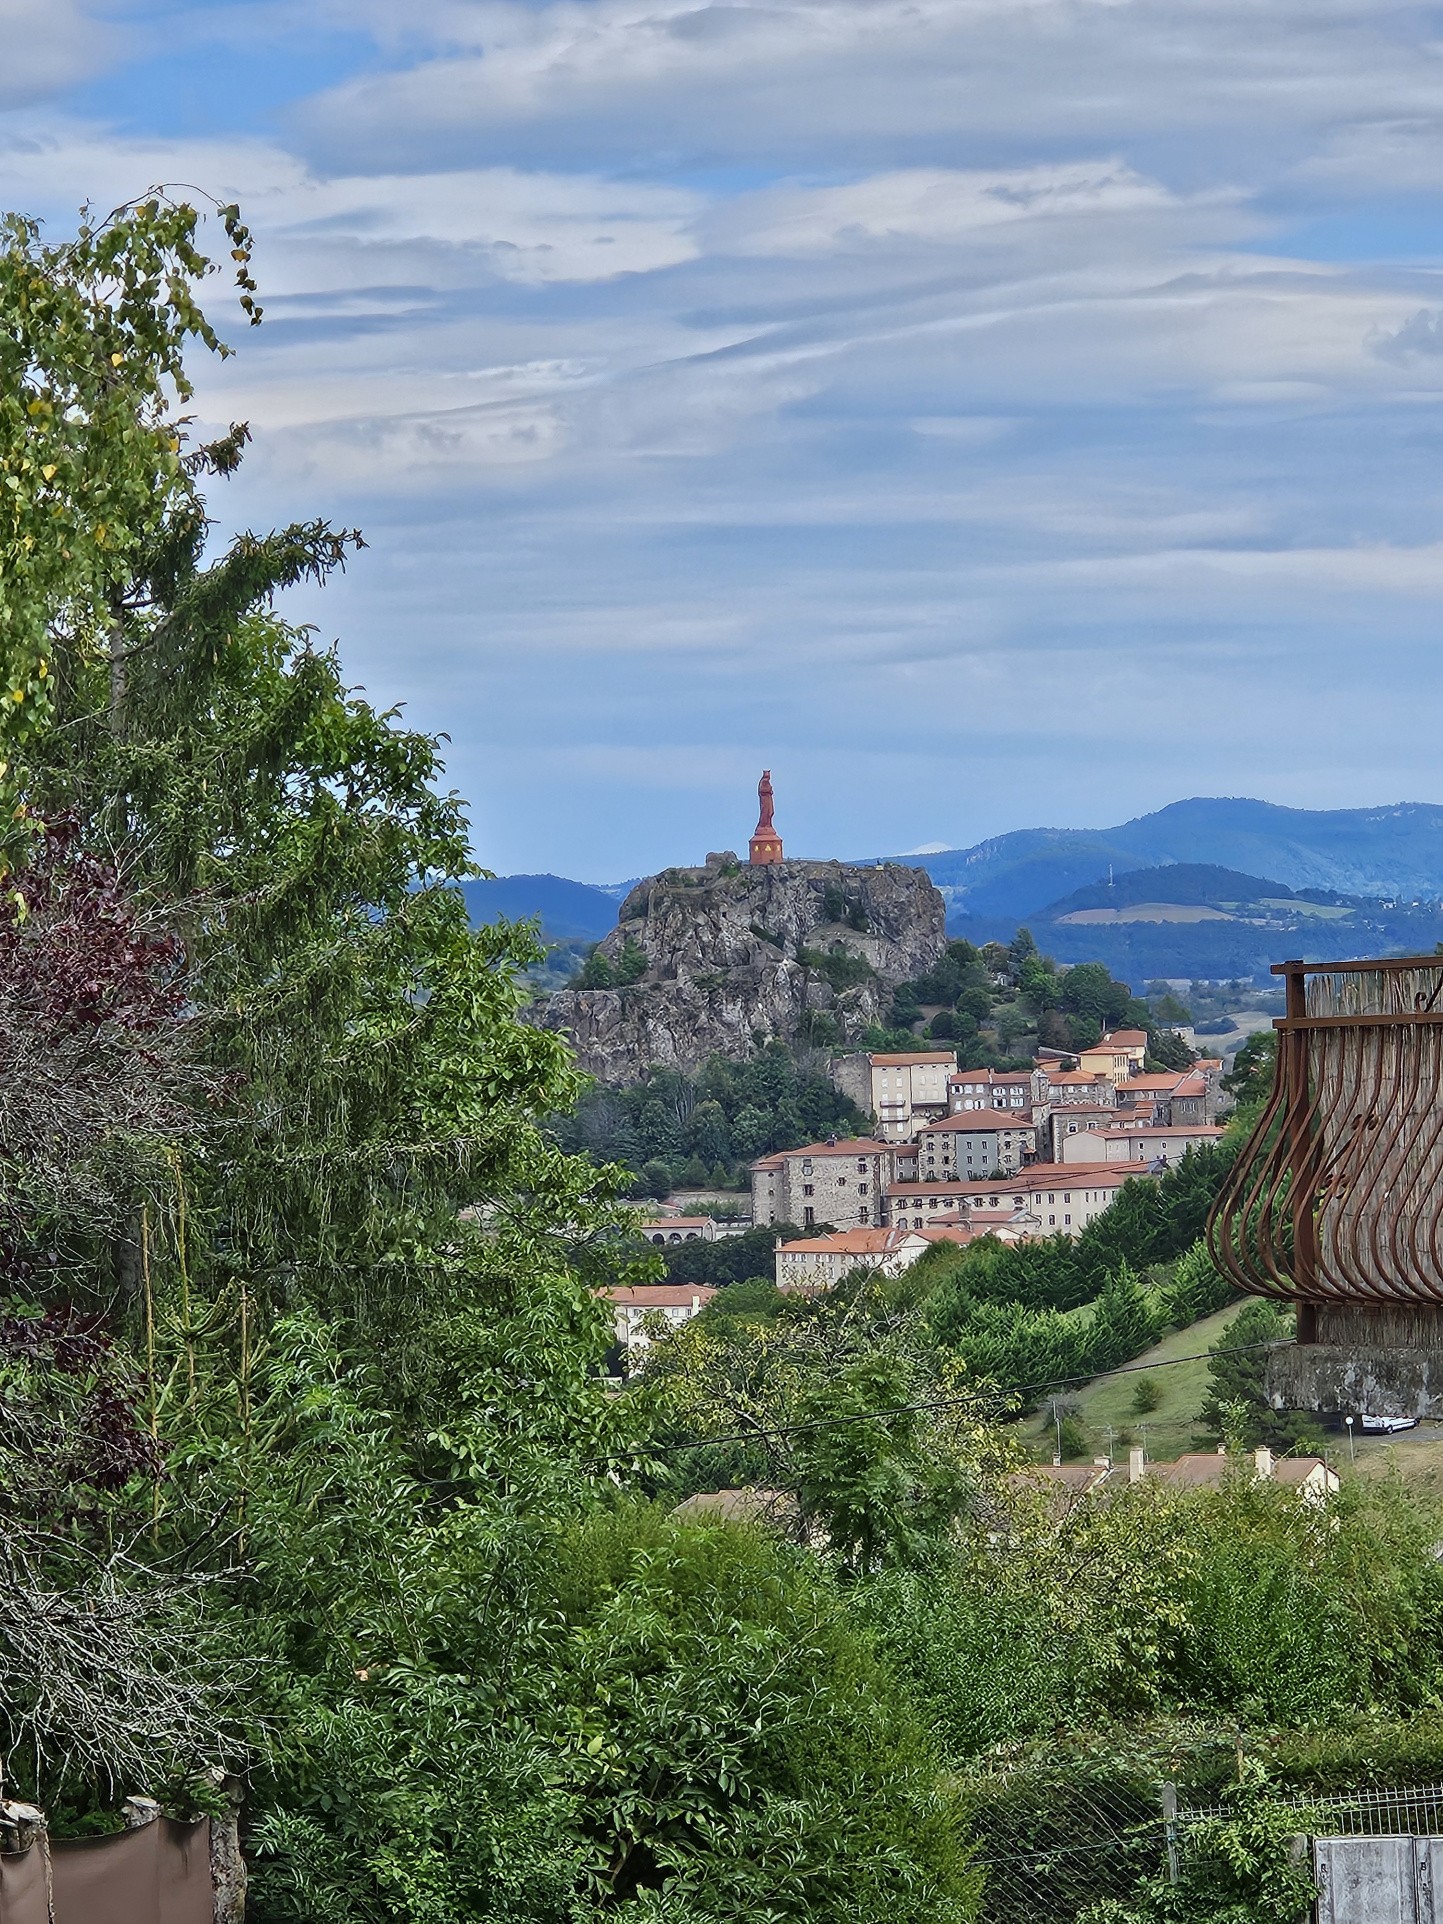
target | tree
x=93, y=335
x=1250, y=1079
x=353, y=1401
x=1169, y=1051
x=1123, y=1323
x=1237, y=1370
x=1146, y=1396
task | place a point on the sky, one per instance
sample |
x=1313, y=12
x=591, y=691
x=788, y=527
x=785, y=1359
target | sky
x=982, y=413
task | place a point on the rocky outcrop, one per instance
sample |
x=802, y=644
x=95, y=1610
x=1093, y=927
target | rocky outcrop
x=725, y=957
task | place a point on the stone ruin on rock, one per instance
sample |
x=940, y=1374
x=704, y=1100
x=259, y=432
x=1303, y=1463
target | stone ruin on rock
x=735, y=953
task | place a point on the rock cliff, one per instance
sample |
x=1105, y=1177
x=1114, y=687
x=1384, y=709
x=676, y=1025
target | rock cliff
x=717, y=959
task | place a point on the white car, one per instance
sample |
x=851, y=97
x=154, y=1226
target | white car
x=1386, y=1425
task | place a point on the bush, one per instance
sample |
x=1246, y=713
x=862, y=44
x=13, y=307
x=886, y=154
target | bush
x=1072, y=1438
x=1147, y=1396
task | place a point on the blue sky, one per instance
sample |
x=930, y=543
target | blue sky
x=983, y=412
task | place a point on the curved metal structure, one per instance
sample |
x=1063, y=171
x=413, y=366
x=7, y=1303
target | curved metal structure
x=1337, y=1198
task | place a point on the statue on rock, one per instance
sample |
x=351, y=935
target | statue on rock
x=766, y=844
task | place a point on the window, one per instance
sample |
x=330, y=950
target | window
x=809, y=1216
x=807, y=1166
x=864, y=1214
x=1051, y=1221
x=861, y=1189
x=841, y=1182
x=1067, y=1219
x=861, y=1168
x=809, y=1188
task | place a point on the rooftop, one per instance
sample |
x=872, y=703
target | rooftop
x=919, y=1055
x=968, y=1120
x=657, y=1295
x=853, y=1146
x=849, y=1242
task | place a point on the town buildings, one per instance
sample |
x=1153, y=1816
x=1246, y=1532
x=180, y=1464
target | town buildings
x=815, y=1263
x=1046, y=1199
x=989, y=1089
x=901, y=1090
x=678, y=1229
x=1149, y=1145
x=842, y=1183
x=653, y=1307
x=975, y=1142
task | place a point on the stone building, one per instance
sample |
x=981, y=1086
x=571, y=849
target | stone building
x=841, y=1183
x=974, y=1143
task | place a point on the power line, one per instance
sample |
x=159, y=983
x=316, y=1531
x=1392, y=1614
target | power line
x=763, y=1431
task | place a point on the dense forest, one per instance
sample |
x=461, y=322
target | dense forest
x=315, y=1484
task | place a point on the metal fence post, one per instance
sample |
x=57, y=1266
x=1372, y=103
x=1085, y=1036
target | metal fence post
x=1169, y=1829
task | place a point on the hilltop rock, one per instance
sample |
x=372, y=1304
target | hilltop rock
x=717, y=959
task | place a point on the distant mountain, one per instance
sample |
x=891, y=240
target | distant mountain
x=1201, y=920
x=1375, y=862
x=1392, y=853
x=569, y=911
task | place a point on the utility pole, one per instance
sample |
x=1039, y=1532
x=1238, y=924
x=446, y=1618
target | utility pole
x=1352, y=1452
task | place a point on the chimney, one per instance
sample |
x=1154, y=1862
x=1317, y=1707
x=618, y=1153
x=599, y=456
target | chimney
x=1222, y=1449
x=1263, y=1457
x=1136, y=1463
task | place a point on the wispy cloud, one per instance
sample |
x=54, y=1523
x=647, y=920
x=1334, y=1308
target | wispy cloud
x=922, y=396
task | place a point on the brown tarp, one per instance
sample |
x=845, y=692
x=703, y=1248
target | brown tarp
x=159, y=1874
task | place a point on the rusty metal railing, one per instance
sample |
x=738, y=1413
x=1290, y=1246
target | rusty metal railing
x=1337, y=1196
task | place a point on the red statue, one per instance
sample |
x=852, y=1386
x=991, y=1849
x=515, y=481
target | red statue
x=766, y=844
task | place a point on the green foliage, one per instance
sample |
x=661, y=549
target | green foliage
x=1250, y=1865
x=869, y=1484
x=1146, y=1396
x=93, y=335
x=1237, y=1405
x=1251, y=1078
x=837, y=966
x=1072, y=1440
x=1167, y=1050
x=730, y=1113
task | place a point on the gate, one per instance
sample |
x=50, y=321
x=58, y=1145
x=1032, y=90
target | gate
x=1379, y=1880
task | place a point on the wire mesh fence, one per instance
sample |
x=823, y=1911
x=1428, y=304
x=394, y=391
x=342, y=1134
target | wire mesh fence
x=1416, y=1812
x=1051, y=1845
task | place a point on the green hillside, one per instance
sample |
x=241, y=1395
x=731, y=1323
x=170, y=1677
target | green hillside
x=1170, y=1429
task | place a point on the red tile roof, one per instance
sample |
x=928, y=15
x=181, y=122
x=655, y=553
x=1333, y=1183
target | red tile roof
x=967, y=1120
x=850, y=1242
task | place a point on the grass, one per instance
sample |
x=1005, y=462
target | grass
x=1172, y=1428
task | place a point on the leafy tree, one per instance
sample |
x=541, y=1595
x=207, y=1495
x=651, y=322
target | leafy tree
x=861, y=1471
x=1072, y=1439
x=1168, y=1050
x=1250, y=1079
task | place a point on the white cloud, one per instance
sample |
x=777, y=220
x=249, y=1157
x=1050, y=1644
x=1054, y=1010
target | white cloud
x=49, y=44
x=935, y=206
x=653, y=78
